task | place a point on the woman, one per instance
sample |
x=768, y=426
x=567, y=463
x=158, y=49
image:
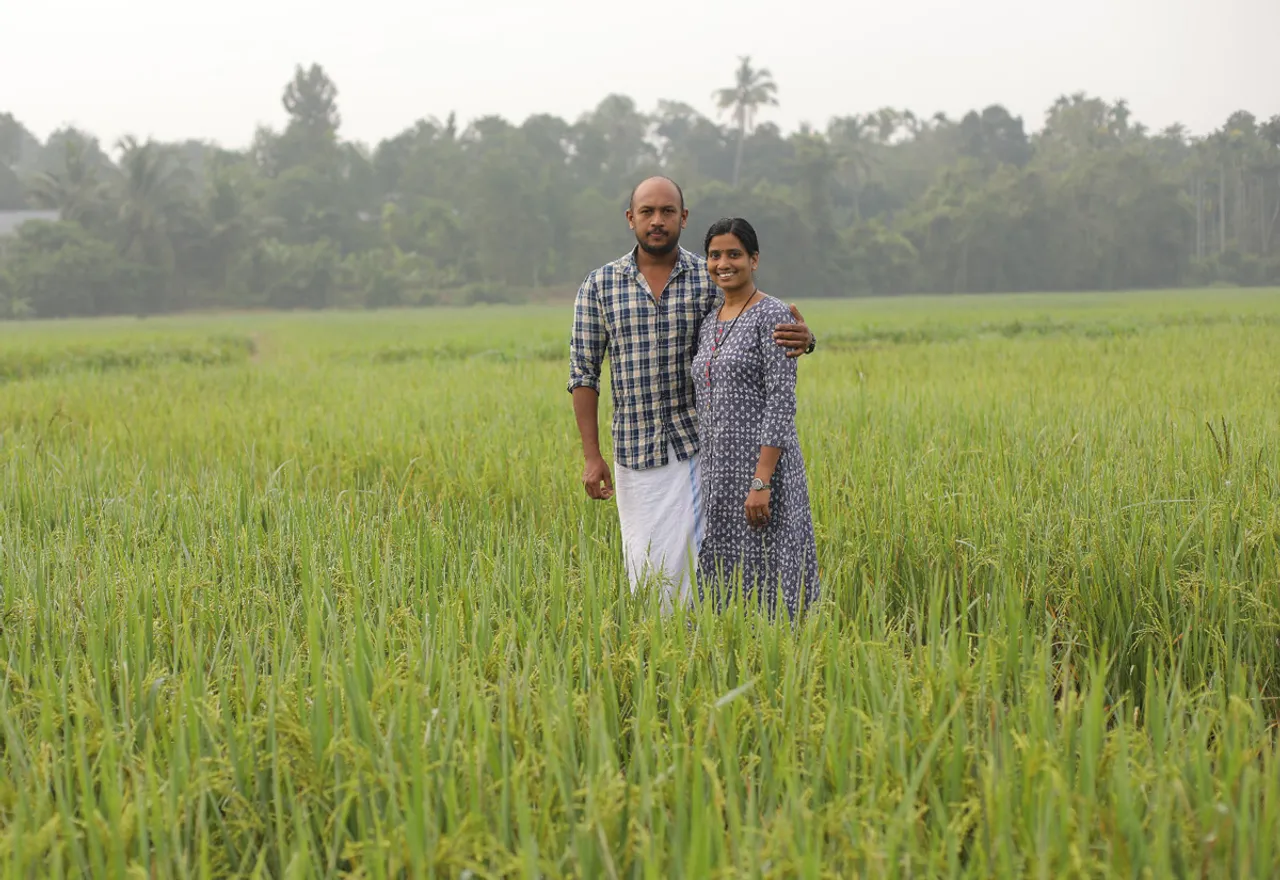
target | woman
x=754, y=488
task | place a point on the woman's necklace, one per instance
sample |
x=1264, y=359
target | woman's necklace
x=719, y=343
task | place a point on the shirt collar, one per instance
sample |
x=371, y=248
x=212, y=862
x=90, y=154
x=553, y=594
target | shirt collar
x=684, y=262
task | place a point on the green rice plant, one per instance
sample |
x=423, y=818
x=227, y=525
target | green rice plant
x=337, y=606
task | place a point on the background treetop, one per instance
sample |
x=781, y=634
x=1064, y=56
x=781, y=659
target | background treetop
x=445, y=211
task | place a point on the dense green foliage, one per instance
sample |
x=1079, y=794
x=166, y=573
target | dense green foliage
x=885, y=202
x=305, y=594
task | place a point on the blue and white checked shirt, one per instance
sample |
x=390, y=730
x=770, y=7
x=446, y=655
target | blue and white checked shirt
x=651, y=346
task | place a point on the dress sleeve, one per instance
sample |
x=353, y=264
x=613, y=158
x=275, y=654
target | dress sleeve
x=589, y=340
x=777, y=427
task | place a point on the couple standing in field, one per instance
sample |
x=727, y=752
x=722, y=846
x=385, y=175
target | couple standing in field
x=710, y=484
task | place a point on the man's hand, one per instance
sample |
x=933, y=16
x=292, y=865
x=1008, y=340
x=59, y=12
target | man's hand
x=795, y=338
x=597, y=479
x=595, y=476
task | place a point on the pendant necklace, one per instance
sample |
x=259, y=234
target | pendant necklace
x=720, y=341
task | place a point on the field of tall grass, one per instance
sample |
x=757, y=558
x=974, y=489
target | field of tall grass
x=321, y=596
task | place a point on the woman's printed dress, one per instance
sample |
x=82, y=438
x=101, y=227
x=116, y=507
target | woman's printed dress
x=746, y=399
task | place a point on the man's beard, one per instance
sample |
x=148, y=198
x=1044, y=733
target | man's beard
x=658, y=250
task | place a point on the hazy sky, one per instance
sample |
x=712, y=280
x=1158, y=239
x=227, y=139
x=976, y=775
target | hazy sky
x=216, y=70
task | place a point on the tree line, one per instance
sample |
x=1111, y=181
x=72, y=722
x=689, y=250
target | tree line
x=880, y=203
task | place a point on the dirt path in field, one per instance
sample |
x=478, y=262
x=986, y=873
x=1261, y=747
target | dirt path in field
x=257, y=339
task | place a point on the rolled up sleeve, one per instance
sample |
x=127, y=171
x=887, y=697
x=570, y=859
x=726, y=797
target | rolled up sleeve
x=589, y=339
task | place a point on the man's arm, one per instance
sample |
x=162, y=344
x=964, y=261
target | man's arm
x=587, y=346
x=796, y=338
x=595, y=472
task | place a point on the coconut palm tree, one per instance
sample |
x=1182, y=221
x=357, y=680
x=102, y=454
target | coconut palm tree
x=751, y=90
x=850, y=140
x=152, y=195
x=76, y=190
x=154, y=217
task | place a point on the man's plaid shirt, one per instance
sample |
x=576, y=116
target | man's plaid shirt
x=651, y=346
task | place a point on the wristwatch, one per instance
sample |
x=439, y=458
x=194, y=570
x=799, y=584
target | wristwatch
x=758, y=486
x=813, y=343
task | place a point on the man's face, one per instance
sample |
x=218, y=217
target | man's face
x=656, y=217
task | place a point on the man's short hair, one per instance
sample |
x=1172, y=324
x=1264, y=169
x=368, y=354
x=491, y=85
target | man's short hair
x=631, y=203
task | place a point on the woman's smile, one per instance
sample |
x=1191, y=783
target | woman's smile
x=729, y=263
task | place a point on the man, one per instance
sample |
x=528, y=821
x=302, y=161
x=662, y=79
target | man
x=646, y=309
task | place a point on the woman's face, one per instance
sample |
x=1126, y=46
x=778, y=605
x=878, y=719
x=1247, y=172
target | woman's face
x=729, y=263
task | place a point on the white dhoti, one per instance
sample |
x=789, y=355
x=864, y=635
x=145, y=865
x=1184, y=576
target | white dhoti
x=660, y=512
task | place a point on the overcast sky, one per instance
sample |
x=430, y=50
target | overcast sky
x=216, y=70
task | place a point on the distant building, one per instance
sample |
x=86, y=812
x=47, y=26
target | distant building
x=11, y=220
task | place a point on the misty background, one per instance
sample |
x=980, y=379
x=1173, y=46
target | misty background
x=282, y=155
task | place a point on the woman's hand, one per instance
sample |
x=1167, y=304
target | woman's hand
x=758, y=507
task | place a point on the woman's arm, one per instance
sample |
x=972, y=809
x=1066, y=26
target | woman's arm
x=777, y=424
